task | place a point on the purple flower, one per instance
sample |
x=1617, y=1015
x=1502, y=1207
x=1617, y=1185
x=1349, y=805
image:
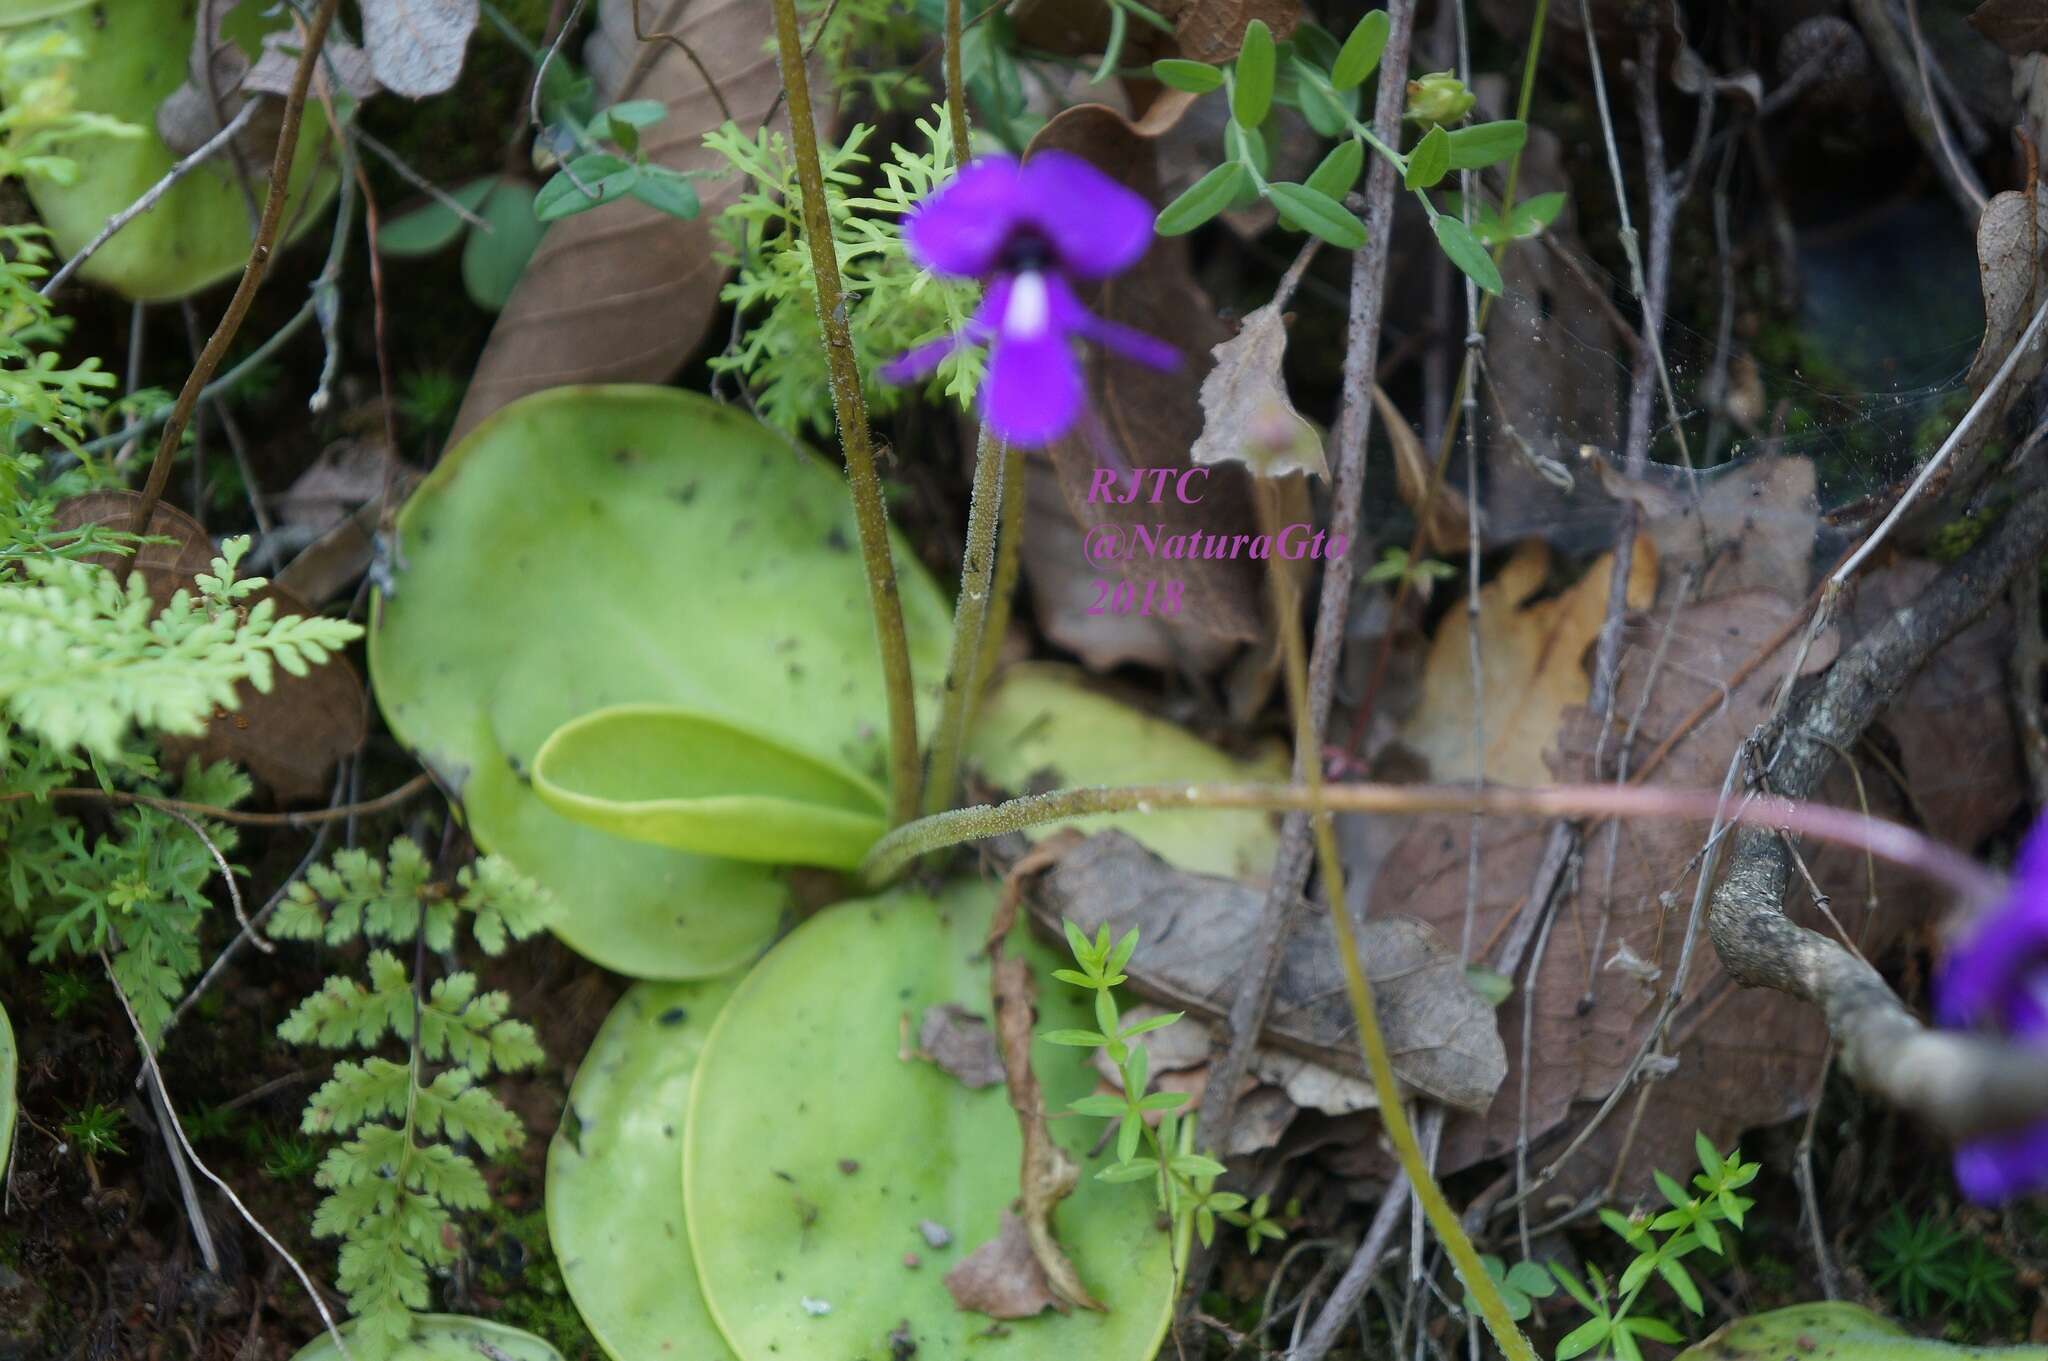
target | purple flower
x=1998, y=977
x=1025, y=231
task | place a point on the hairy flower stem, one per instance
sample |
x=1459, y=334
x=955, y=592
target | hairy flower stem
x=1393, y=1110
x=956, y=85
x=970, y=615
x=850, y=408
x=1009, y=566
x=1886, y=840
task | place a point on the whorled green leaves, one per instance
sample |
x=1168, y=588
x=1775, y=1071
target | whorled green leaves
x=439, y=1337
x=832, y=1180
x=199, y=231
x=614, y=1189
x=592, y=547
x=686, y=780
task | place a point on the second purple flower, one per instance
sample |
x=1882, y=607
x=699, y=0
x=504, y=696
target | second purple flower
x=1027, y=230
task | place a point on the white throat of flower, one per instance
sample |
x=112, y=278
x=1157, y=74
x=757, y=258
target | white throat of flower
x=1029, y=310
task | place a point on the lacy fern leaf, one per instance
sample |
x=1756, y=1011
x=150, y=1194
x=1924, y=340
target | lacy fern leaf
x=396, y=1183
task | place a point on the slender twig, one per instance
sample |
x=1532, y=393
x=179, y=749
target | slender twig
x=956, y=88
x=416, y=785
x=703, y=72
x=1903, y=72
x=171, y=1119
x=152, y=196
x=1351, y=1285
x=850, y=408
x=227, y=872
x=260, y=251
x=1354, y=422
x=540, y=72
x=418, y=181
x=1802, y=1173
x=232, y=429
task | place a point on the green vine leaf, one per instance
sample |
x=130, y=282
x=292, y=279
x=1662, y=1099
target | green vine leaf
x=1193, y=77
x=1430, y=161
x=1466, y=253
x=1252, y=96
x=1485, y=144
x=1360, y=55
x=1320, y=214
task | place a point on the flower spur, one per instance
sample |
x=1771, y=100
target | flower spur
x=1026, y=230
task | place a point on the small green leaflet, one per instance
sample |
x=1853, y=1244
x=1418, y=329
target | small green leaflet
x=1319, y=214
x=666, y=190
x=493, y=260
x=1339, y=170
x=1205, y=198
x=604, y=176
x=1360, y=55
x=429, y=228
x=1252, y=98
x=1528, y=219
x=1430, y=161
x=1328, y=112
x=1195, y=77
x=1466, y=253
x=1486, y=144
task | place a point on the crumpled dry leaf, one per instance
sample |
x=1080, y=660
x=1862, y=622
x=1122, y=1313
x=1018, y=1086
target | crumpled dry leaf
x=289, y=738
x=624, y=293
x=1178, y=1057
x=416, y=46
x=2018, y=26
x=2010, y=234
x=1002, y=1278
x=1751, y=526
x=959, y=1041
x=1191, y=929
x=1247, y=416
x=1744, y=1058
x=1534, y=660
x=220, y=79
x=1953, y=724
x=1140, y=418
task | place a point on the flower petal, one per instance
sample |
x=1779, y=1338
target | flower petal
x=919, y=360
x=1998, y=1167
x=1131, y=344
x=1033, y=390
x=962, y=226
x=1098, y=226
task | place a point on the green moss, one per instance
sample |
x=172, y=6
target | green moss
x=516, y=1266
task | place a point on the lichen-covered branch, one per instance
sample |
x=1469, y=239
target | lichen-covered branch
x=1958, y=1082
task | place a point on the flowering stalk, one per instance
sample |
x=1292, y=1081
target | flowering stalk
x=1009, y=565
x=850, y=408
x=1393, y=1111
x=970, y=615
x=1886, y=840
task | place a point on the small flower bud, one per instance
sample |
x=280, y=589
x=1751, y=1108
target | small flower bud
x=1439, y=97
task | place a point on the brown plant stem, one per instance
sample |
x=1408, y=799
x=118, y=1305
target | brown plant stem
x=970, y=617
x=1009, y=566
x=417, y=785
x=956, y=86
x=260, y=251
x=850, y=409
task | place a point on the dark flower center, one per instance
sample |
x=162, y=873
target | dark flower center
x=1025, y=251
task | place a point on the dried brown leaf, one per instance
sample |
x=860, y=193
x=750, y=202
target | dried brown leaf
x=1533, y=655
x=2009, y=239
x=2018, y=26
x=1247, y=416
x=1447, y=527
x=1442, y=1036
x=1744, y=1058
x=416, y=46
x=624, y=293
x=959, y=1041
x=289, y=738
x=1002, y=1277
x=1953, y=725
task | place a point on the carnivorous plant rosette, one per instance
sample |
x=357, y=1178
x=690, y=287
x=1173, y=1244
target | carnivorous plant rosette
x=1026, y=230
x=1998, y=978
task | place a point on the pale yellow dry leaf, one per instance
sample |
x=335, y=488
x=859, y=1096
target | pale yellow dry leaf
x=1446, y=528
x=1533, y=660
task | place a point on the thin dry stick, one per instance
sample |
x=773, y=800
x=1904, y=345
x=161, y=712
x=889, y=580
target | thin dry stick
x=703, y=73
x=850, y=408
x=1351, y=1285
x=151, y=196
x=1354, y=423
x=417, y=785
x=252, y=273
x=1802, y=1172
x=195, y=1213
x=227, y=873
x=1902, y=71
x=177, y=1127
